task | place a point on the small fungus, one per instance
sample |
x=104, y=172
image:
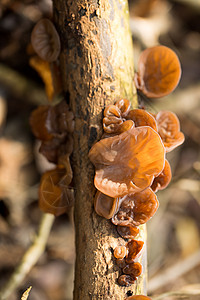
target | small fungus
x=42, y=121
x=114, y=117
x=55, y=196
x=128, y=232
x=53, y=125
x=138, y=297
x=136, y=209
x=140, y=117
x=56, y=147
x=163, y=179
x=106, y=206
x=169, y=130
x=126, y=280
x=124, y=106
x=134, y=250
x=45, y=40
x=127, y=163
x=159, y=72
x=134, y=269
x=120, y=252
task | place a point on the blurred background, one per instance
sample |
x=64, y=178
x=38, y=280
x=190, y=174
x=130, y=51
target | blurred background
x=174, y=233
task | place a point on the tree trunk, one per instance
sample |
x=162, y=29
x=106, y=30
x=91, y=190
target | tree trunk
x=97, y=69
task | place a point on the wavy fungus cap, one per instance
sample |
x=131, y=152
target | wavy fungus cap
x=55, y=196
x=127, y=163
x=169, y=130
x=163, y=179
x=141, y=117
x=45, y=40
x=136, y=209
x=159, y=72
x=106, y=206
x=42, y=122
x=128, y=232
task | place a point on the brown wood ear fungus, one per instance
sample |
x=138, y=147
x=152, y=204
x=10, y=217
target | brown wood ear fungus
x=130, y=166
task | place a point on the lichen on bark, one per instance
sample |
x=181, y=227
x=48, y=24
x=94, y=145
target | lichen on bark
x=97, y=69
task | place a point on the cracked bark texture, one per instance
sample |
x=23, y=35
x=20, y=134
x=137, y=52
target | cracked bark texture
x=97, y=69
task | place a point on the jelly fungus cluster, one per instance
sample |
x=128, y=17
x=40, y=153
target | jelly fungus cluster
x=45, y=51
x=53, y=125
x=130, y=167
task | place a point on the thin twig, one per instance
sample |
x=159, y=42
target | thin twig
x=31, y=256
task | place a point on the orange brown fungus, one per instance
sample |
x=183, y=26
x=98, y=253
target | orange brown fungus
x=138, y=297
x=128, y=162
x=140, y=117
x=55, y=196
x=126, y=280
x=134, y=250
x=124, y=106
x=134, y=269
x=120, y=252
x=106, y=206
x=53, y=125
x=45, y=40
x=114, y=117
x=163, y=179
x=169, y=130
x=50, y=74
x=127, y=232
x=159, y=72
x=136, y=209
x=125, y=259
x=43, y=122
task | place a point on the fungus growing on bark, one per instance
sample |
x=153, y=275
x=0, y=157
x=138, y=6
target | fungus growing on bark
x=120, y=252
x=136, y=209
x=126, y=280
x=134, y=269
x=163, y=179
x=45, y=40
x=56, y=147
x=140, y=117
x=114, y=117
x=169, y=130
x=53, y=125
x=159, y=72
x=106, y=206
x=55, y=196
x=127, y=163
x=43, y=122
x=134, y=250
x=128, y=232
x=124, y=106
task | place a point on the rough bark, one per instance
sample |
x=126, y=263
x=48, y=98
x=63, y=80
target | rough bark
x=97, y=69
